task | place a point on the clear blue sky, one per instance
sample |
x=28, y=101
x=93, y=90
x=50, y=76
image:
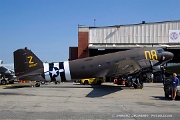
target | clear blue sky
x=49, y=27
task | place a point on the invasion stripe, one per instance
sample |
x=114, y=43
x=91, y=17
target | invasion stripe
x=67, y=70
x=62, y=74
x=58, y=77
x=51, y=65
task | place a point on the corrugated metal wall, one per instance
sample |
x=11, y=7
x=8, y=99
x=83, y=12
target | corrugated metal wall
x=133, y=34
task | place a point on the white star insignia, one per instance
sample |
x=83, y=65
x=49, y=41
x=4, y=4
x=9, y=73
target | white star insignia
x=53, y=72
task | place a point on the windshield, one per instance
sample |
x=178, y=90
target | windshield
x=160, y=51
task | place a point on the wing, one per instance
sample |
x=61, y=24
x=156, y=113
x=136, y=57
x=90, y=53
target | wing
x=124, y=67
x=3, y=69
x=129, y=66
x=7, y=73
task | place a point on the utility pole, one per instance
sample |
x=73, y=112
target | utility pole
x=94, y=22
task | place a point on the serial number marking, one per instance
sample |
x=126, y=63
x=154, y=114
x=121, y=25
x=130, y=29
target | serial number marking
x=152, y=55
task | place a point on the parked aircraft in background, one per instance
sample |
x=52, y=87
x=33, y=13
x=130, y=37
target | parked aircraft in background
x=131, y=62
x=7, y=72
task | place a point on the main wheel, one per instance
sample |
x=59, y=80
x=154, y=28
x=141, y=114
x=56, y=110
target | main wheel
x=138, y=85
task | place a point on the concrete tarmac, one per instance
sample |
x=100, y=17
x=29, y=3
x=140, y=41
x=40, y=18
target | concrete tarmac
x=74, y=101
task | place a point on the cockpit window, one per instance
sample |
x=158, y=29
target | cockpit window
x=160, y=51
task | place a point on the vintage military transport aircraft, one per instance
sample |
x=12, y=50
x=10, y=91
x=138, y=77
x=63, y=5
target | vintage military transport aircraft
x=130, y=62
x=6, y=73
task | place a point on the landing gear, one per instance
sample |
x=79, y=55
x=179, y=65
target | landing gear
x=135, y=80
x=138, y=83
x=3, y=82
x=37, y=84
x=128, y=83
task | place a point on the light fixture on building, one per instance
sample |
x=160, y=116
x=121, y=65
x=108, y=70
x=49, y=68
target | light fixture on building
x=90, y=45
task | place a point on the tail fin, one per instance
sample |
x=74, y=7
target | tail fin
x=26, y=63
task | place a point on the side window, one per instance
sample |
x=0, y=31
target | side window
x=116, y=61
x=83, y=67
x=91, y=66
x=108, y=63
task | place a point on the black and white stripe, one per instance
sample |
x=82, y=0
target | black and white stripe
x=62, y=72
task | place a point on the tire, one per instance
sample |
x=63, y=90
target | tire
x=138, y=86
x=37, y=84
x=3, y=82
x=86, y=82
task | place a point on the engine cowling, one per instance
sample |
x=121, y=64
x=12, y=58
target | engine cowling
x=157, y=68
x=147, y=64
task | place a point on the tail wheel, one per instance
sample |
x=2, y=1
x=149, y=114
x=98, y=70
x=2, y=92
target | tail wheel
x=37, y=84
x=3, y=82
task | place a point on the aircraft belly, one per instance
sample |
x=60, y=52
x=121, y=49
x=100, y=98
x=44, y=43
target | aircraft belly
x=82, y=73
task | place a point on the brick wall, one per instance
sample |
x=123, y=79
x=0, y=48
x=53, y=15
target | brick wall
x=83, y=35
x=73, y=53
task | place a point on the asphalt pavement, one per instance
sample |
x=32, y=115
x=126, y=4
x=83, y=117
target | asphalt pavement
x=74, y=101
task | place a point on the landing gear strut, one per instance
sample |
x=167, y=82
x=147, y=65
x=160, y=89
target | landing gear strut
x=138, y=83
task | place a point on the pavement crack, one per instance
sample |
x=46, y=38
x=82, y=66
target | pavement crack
x=124, y=107
x=69, y=97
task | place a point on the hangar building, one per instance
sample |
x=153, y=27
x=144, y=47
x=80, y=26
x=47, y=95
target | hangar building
x=94, y=41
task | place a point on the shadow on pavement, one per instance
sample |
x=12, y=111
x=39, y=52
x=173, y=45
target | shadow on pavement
x=165, y=99
x=103, y=90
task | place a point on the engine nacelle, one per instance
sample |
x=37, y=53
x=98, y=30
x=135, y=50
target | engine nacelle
x=147, y=63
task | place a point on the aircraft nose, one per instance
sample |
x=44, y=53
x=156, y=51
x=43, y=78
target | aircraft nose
x=166, y=56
